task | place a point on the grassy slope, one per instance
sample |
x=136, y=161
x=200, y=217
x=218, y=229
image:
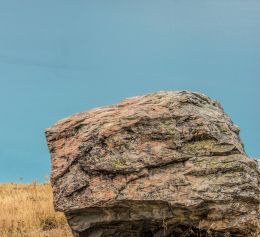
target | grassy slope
x=26, y=211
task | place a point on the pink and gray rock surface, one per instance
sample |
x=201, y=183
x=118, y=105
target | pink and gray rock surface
x=163, y=164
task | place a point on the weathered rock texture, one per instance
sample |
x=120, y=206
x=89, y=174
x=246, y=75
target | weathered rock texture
x=164, y=164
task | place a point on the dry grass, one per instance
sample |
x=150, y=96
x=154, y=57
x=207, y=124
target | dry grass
x=26, y=211
x=257, y=233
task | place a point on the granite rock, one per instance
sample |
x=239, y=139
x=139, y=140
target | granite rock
x=164, y=164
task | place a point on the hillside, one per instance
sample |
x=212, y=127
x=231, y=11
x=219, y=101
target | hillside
x=26, y=211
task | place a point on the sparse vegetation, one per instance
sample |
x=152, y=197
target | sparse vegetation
x=26, y=211
x=257, y=233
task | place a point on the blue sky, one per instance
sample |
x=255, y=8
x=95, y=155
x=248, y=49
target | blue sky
x=61, y=57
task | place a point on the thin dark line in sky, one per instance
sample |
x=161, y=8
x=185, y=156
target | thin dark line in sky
x=35, y=63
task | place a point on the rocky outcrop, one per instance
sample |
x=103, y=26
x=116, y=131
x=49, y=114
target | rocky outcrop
x=163, y=164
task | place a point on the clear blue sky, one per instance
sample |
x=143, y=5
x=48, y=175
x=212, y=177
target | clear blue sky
x=65, y=56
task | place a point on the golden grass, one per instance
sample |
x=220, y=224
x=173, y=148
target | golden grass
x=257, y=233
x=26, y=211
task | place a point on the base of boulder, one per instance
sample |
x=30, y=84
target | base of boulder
x=145, y=219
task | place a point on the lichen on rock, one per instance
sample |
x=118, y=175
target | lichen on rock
x=155, y=165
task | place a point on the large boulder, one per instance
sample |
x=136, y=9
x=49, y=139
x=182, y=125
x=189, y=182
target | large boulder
x=163, y=164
